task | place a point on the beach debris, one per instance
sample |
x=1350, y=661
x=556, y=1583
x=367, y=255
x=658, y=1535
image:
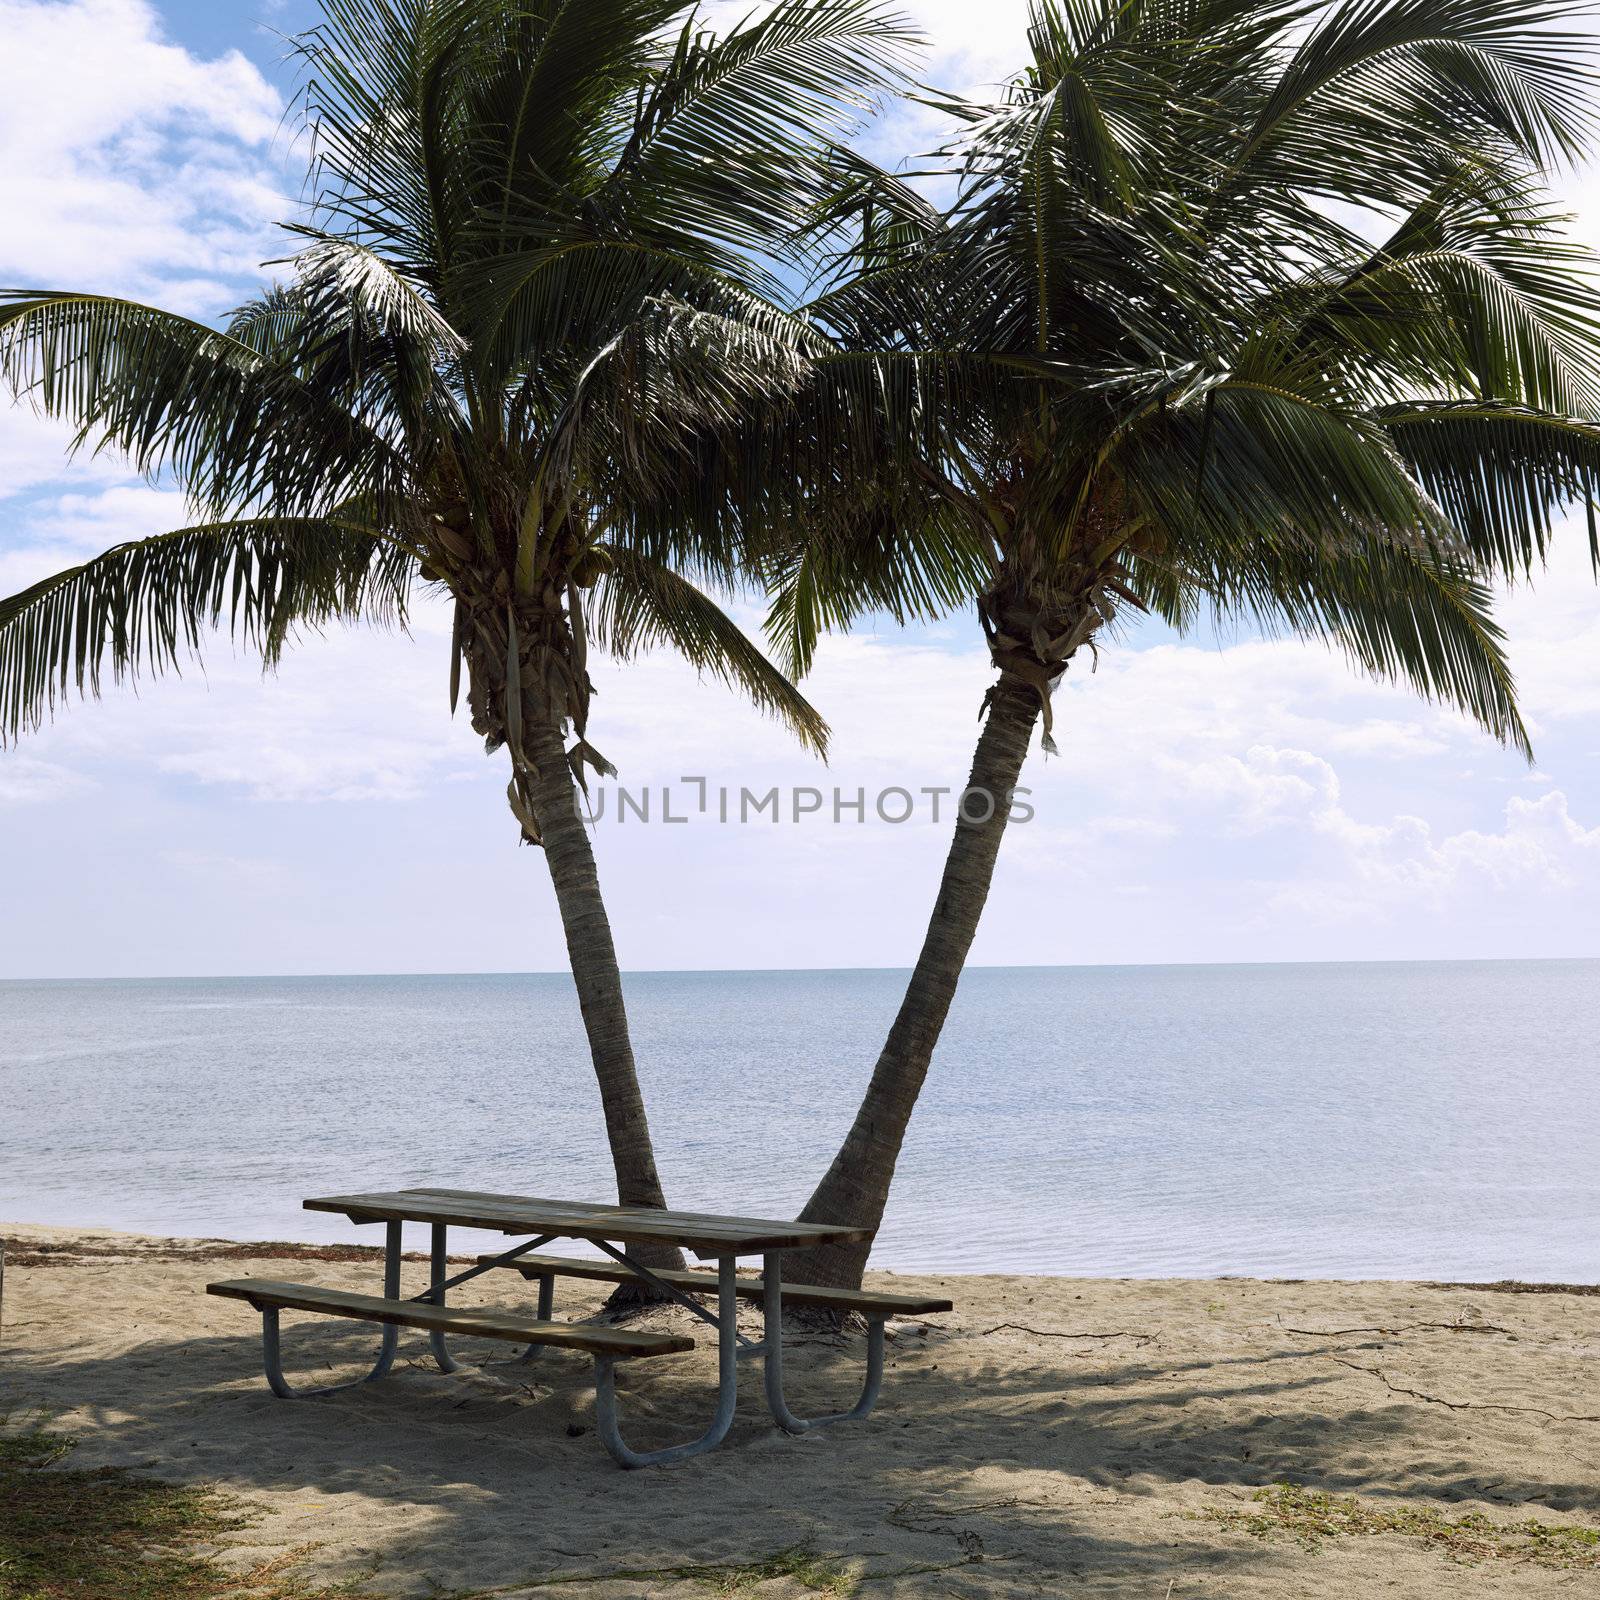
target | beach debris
x=905, y=1330
x=1404, y=1327
x=1311, y=1517
x=1063, y=1333
x=1517, y=1286
x=1460, y=1405
x=952, y=1519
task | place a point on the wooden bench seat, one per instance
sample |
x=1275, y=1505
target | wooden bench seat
x=866, y=1301
x=617, y=1343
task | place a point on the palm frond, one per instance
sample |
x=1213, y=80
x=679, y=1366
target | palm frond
x=1150, y=352
x=1390, y=90
x=146, y=606
x=1399, y=614
x=353, y=276
x=1477, y=292
x=1249, y=456
x=639, y=603
x=1501, y=474
x=374, y=100
x=237, y=428
x=733, y=130
x=908, y=563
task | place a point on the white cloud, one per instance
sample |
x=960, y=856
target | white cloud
x=973, y=46
x=1390, y=740
x=131, y=165
x=26, y=781
x=51, y=533
x=33, y=452
x=1247, y=802
x=352, y=715
x=247, y=875
x=1540, y=843
x=1553, y=624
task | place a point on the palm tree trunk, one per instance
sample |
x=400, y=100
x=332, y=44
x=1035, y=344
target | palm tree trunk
x=856, y=1187
x=593, y=958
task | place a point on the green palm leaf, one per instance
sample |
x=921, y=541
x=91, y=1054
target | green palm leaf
x=1502, y=474
x=147, y=605
x=235, y=426
x=638, y=604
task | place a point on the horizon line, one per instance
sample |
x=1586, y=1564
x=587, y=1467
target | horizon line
x=683, y=972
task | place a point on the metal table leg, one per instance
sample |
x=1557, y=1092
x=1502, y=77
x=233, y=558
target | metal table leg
x=772, y=1357
x=605, y=1394
x=433, y=1295
x=439, y=1258
x=271, y=1352
x=547, y=1301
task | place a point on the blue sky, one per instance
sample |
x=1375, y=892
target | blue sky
x=1243, y=801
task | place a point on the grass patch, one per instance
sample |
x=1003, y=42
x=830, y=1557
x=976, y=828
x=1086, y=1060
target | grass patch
x=796, y=1562
x=109, y=1534
x=1311, y=1518
x=725, y=1579
x=729, y=1579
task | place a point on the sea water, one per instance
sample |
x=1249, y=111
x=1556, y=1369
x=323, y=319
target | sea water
x=1435, y=1120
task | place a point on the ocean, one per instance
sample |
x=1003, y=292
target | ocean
x=1430, y=1120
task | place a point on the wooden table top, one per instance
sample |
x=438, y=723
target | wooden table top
x=702, y=1233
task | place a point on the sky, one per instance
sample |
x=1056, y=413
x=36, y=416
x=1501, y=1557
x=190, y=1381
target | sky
x=1241, y=800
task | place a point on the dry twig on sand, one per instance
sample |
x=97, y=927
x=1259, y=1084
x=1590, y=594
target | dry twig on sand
x=1062, y=1333
x=1461, y=1405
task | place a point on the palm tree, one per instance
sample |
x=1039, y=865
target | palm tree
x=1241, y=309
x=499, y=190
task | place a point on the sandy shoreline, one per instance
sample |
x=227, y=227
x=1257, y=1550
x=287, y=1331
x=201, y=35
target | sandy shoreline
x=1050, y=1436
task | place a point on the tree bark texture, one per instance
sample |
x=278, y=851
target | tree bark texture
x=570, y=856
x=856, y=1186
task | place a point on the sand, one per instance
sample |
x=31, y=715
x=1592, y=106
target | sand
x=1051, y=1436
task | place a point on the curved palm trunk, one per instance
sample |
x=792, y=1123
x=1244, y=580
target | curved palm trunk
x=593, y=958
x=856, y=1186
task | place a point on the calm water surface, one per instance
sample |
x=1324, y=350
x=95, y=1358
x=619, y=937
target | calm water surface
x=1410, y=1120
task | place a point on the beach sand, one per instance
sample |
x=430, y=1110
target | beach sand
x=1051, y=1436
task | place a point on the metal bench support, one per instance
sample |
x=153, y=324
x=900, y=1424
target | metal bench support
x=271, y=1351
x=544, y=1312
x=772, y=1364
x=439, y=1261
x=605, y=1390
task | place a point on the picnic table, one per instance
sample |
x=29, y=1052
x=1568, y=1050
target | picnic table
x=613, y=1229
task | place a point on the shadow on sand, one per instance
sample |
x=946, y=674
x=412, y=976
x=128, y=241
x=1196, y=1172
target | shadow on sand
x=998, y=1476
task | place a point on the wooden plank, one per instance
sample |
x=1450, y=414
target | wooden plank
x=705, y=1234
x=794, y=1294
x=720, y=1231
x=630, y=1342
x=707, y=1224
